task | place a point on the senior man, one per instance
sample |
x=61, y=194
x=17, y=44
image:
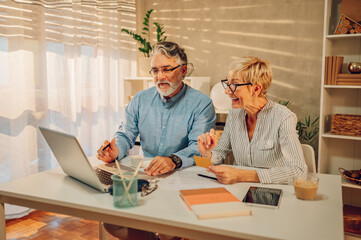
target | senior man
x=168, y=117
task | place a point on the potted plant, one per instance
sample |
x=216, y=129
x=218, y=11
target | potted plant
x=144, y=41
x=308, y=130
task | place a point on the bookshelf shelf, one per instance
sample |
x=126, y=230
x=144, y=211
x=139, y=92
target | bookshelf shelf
x=343, y=36
x=342, y=86
x=329, y=135
x=347, y=184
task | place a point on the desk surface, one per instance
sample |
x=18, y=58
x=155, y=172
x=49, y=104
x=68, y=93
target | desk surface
x=164, y=211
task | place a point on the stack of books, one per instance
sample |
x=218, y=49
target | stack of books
x=213, y=203
x=333, y=75
x=348, y=79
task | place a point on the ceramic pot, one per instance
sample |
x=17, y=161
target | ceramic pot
x=143, y=67
x=354, y=67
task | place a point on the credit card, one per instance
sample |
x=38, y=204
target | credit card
x=202, y=161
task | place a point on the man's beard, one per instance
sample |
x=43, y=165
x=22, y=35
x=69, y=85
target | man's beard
x=172, y=88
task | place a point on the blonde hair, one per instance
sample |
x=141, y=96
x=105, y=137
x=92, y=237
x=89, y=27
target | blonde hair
x=253, y=70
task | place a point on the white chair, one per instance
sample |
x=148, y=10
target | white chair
x=309, y=155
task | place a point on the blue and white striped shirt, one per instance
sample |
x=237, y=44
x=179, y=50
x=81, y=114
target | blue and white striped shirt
x=166, y=126
x=274, y=150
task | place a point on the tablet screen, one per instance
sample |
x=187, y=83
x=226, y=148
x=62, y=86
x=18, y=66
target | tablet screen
x=261, y=196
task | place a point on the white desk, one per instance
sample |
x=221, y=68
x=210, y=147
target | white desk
x=163, y=211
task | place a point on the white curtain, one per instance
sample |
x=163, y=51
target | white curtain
x=62, y=65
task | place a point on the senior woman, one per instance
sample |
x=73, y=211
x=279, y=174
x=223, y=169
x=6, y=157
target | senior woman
x=260, y=133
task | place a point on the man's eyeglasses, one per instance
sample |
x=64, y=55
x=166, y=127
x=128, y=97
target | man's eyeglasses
x=233, y=86
x=149, y=188
x=165, y=71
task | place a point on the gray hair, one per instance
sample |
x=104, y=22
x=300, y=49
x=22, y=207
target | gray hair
x=172, y=50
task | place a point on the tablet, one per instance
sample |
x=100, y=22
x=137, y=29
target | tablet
x=263, y=197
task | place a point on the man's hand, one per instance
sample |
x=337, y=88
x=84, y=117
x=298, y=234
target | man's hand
x=230, y=175
x=206, y=143
x=109, y=153
x=160, y=165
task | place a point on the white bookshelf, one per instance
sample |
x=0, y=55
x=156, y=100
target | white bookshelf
x=335, y=150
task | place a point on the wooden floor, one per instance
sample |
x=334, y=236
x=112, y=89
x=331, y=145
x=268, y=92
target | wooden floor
x=40, y=225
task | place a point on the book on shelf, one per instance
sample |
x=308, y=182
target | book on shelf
x=213, y=203
x=333, y=66
x=333, y=80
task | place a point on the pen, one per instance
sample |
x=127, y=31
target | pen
x=105, y=147
x=201, y=175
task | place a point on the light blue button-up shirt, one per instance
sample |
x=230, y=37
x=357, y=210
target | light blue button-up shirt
x=166, y=126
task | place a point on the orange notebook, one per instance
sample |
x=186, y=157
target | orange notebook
x=213, y=203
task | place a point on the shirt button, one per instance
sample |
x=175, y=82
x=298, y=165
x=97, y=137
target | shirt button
x=161, y=144
x=163, y=127
x=166, y=110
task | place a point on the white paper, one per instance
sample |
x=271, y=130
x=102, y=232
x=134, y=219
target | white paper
x=187, y=178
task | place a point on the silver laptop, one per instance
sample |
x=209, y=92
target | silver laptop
x=74, y=162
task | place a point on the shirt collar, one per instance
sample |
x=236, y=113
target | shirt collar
x=176, y=97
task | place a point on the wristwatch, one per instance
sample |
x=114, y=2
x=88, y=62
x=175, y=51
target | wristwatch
x=177, y=161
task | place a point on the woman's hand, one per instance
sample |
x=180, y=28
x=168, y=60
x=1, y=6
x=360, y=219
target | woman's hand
x=230, y=175
x=108, y=153
x=206, y=143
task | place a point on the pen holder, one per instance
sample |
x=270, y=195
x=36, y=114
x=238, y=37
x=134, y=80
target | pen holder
x=125, y=190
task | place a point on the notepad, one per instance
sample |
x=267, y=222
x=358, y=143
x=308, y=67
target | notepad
x=202, y=162
x=213, y=203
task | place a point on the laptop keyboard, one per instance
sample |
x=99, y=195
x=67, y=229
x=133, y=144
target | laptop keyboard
x=104, y=176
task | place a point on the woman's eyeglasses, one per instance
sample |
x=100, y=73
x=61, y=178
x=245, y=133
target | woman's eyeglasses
x=165, y=71
x=149, y=188
x=233, y=86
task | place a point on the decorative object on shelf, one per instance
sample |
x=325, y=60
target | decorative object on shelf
x=346, y=124
x=352, y=9
x=347, y=26
x=354, y=67
x=333, y=66
x=353, y=176
x=146, y=46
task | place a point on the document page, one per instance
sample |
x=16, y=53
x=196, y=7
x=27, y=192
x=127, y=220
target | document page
x=188, y=179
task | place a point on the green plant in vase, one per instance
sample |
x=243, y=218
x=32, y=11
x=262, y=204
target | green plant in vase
x=146, y=46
